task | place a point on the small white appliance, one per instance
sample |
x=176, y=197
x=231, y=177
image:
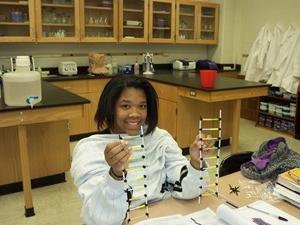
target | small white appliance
x=67, y=68
x=184, y=64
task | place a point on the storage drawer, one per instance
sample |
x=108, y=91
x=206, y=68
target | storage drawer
x=226, y=95
x=165, y=91
x=74, y=86
x=194, y=94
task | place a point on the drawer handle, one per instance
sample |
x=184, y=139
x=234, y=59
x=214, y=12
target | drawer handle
x=193, y=93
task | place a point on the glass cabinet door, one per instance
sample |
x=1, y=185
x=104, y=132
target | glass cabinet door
x=99, y=20
x=162, y=21
x=208, y=24
x=186, y=22
x=133, y=26
x=17, y=21
x=57, y=20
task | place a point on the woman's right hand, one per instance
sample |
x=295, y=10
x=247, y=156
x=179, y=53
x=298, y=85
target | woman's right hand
x=117, y=154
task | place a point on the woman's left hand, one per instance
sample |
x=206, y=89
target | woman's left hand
x=195, y=150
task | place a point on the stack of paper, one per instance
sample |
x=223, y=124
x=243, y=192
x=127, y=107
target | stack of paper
x=288, y=186
x=248, y=216
x=228, y=216
x=290, y=179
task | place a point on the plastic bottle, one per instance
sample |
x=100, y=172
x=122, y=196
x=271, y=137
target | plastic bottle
x=136, y=67
x=22, y=88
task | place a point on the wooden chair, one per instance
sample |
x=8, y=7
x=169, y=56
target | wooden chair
x=233, y=162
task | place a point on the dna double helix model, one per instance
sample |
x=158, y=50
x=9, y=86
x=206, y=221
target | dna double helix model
x=213, y=159
x=135, y=175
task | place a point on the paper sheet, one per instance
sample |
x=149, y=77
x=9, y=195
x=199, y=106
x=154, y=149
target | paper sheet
x=290, y=196
x=166, y=220
x=204, y=217
x=226, y=215
x=245, y=215
x=231, y=216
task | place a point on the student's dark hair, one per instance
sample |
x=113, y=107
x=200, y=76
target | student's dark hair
x=105, y=115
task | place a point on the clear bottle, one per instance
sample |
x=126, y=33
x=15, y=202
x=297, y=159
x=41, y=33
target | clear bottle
x=136, y=67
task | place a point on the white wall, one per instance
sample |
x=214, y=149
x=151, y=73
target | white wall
x=240, y=21
x=224, y=51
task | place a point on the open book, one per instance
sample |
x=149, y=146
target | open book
x=228, y=216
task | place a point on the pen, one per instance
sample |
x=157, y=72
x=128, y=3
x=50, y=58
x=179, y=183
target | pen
x=231, y=204
x=195, y=221
x=270, y=214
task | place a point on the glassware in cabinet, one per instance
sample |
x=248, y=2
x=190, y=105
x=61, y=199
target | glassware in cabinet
x=161, y=23
x=186, y=22
x=57, y=20
x=17, y=21
x=209, y=23
x=99, y=20
x=133, y=20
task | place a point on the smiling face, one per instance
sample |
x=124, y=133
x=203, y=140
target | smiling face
x=130, y=111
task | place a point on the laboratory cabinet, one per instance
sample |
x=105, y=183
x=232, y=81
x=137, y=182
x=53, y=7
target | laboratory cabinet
x=208, y=23
x=17, y=22
x=197, y=22
x=129, y=21
x=167, y=110
x=99, y=21
x=181, y=21
x=133, y=21
x=162, y=21
x=91, y=90
x=57, y=20
x=186, y=22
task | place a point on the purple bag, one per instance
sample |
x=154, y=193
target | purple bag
x=206, y=65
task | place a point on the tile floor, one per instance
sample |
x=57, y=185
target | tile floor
x=60, y=204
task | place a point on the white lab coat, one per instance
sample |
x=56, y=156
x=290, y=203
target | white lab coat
x=273, y=51
x=283, y=60
x=255, y=62
x=291, y=77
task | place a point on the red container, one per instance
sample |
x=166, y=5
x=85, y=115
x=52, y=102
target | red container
x=207, y=78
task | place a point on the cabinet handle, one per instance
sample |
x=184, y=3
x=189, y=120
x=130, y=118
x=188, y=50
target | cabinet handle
x=193, y=93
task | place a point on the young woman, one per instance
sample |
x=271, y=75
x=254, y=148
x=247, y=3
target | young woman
x=126, y=104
